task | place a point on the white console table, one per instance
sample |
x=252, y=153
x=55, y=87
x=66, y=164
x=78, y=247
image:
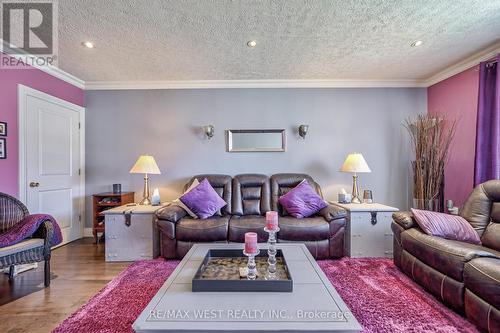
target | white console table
x=368, y=232
x=131, y=233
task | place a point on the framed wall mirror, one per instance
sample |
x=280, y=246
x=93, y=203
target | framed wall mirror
x=256, y=140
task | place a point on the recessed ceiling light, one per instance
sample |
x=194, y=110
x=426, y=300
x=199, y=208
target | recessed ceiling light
x=416, y=43
x=251, y=43
x=88, y=45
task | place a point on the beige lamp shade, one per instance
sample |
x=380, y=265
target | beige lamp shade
x=146, y=164
x=355, y=162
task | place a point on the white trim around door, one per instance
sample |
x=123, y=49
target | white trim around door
x=23, y=93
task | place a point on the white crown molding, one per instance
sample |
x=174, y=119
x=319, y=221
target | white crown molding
x=442, y=75
x=463, y=65
x=49, y=69
x=233, y=84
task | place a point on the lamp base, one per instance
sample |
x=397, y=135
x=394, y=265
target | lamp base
x=145, y=201
x=145, y=194
x=355, y=200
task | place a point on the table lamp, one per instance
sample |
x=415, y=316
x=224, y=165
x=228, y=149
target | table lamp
x=146, y=164
x=355, y=163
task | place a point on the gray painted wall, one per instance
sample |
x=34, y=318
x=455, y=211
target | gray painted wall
x=121, y=125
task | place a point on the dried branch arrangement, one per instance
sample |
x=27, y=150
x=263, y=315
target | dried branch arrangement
x=430, y=139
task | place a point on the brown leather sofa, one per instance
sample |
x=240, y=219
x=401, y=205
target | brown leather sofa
x=249, y=197
x=464, y=276
x=323, y=234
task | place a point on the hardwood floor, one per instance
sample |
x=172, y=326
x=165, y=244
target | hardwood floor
x=78, y=272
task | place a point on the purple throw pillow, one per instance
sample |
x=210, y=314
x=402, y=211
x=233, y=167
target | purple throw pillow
x=446, y=226
x=302, y=201
x=203, y=200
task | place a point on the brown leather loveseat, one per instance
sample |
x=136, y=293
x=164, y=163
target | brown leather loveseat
x=249, y=197
x=464, y=276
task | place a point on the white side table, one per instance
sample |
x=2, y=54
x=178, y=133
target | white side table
x=368, y=231
x=130, y=233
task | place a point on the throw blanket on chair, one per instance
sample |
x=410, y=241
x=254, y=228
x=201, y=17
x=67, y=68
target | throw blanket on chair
x=27, y=227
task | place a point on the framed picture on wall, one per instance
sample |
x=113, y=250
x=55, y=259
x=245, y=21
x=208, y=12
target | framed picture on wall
x=3, y=148
x=3, y=128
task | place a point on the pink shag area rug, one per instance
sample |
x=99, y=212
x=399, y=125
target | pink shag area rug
x=381, y=297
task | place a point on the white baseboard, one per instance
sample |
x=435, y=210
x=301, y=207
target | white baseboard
x=87, y=232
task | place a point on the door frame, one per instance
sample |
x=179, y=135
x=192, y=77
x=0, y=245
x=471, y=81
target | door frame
x=22, y=94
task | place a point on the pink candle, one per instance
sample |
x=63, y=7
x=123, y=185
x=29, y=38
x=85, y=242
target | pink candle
x=251, y=242
x=272, y=220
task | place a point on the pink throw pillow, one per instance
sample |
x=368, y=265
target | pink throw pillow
x=446, y=226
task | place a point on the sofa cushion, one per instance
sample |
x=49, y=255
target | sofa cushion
x=251, y=194
x=491, y=236
x=239, y=225
x=302, y=201
x=203, y=200
x=483, y=206
x=446, y=226
x=444, y=255
x=207, y=230
x=27, y=244
x=306, y=229
x=482, y=277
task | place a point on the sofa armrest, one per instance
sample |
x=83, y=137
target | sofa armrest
x=404, y=219
x=166, y=228
x=172, y=213
x=332, y=212
x=479, y=254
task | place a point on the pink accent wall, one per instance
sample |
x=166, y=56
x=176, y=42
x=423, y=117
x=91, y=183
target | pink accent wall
x=36, y=79
x=456, y=98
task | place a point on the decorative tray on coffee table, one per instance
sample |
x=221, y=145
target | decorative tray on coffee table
x=220, y=271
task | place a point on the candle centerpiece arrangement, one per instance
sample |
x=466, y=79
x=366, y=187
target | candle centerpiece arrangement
x=227, y=269
x=271, y=228
x=251, y=250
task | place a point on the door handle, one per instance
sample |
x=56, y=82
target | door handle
x=34, y=184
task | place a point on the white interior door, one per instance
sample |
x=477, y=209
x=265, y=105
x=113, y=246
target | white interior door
x=52, y=159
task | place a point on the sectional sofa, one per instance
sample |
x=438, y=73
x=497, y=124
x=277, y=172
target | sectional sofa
x=464, y=276
x=248, y=198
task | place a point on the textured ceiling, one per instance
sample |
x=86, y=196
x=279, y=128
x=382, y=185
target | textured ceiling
x=153, y=40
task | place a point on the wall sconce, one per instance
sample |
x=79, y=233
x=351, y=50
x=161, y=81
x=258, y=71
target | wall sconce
x=209, y=131
x=303, y=131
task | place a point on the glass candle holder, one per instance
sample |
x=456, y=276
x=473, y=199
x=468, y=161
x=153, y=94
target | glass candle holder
x=251, y=251
x=271, y=251
x=251, y=265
